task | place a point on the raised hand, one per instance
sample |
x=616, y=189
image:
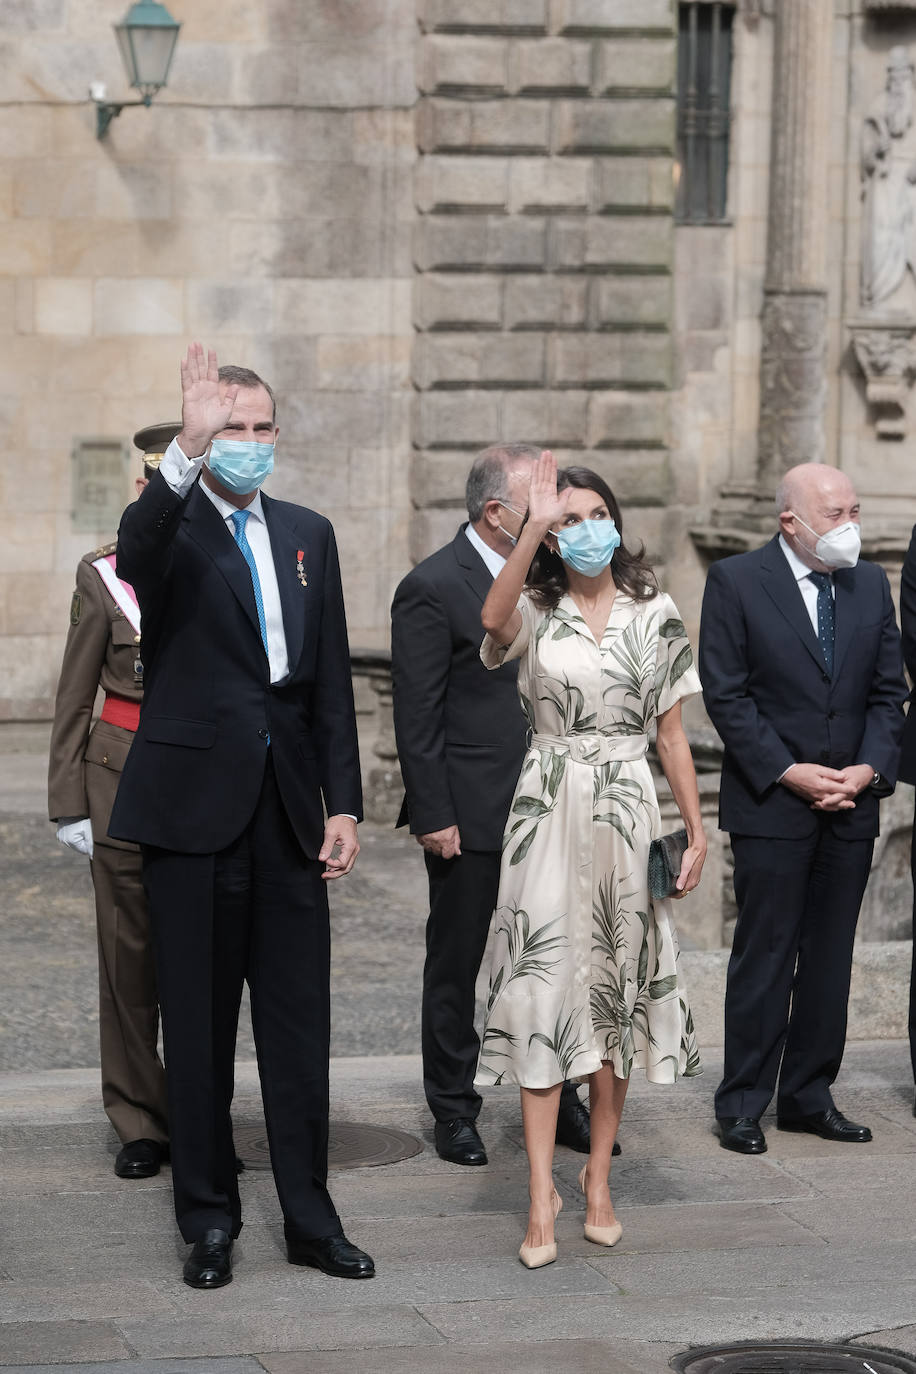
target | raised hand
x=546, y=506
x=206, y=402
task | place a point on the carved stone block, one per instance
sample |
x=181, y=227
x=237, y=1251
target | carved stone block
x=886, y=352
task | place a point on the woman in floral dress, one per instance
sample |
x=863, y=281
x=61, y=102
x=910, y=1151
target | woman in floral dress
x=584, y=981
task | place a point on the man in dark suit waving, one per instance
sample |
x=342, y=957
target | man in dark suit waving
x=802, y=677
x=461, y=740
x=247, y=725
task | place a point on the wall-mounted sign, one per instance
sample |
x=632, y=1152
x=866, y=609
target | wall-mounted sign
x=99, y=484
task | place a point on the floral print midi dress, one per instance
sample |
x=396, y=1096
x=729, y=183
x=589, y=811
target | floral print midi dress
x=585, y=963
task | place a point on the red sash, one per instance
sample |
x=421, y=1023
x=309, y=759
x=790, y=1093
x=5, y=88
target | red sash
x=120, y=711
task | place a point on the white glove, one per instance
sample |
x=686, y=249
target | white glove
x=77, y=835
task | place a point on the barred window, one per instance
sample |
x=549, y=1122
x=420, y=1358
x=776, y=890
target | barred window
x=703, y=80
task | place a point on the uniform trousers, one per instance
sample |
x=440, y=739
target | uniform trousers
x=788, y=975
x=133, y=1079
x=257, y=910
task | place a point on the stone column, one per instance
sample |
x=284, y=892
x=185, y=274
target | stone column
x=793, y=346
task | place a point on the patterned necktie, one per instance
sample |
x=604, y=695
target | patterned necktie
x=239, y=519
x=825, y=615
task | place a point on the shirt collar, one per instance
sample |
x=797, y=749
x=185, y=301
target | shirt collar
x=227, y=509
x=799, y=569
x=494, y=561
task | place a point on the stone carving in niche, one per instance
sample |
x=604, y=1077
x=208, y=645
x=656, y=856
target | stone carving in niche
x=884, y=337
x=888, y=168
x=886, y=353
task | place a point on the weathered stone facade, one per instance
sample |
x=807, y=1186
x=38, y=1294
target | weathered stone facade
x=431, y=224
x=265, y=205
x=544, y=242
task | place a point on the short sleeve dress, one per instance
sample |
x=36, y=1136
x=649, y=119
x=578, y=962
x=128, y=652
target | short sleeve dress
x=585, y=963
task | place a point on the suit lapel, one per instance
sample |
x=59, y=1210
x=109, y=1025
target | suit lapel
x=473, y=568
x=208, y=529
x=286, y=542
x=779, y=583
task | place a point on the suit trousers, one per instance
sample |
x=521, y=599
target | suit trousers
x=912, y=1017
x=789, y=971
x=133, y=1079
x=462, y=895
x=257, y=910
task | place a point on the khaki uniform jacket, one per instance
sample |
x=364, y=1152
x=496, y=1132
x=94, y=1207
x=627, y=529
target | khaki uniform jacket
x=102, y=650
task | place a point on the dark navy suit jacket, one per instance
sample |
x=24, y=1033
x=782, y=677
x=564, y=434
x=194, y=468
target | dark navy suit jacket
x=907, y=772
x=194, y=772
x=769, y=695
x=460, y=728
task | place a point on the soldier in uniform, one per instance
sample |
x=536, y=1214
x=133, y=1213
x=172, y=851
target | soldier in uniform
x=103, y=649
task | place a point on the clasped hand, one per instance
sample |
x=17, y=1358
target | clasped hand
x=828, y=789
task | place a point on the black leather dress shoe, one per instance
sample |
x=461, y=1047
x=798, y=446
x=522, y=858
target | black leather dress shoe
x=458, y=1142
x=140, y=1159
x=830, y=1124
x=209, y=1264
x=573, y=1124
x=742, y=1134
x=574, y=1127
x=334, y=1255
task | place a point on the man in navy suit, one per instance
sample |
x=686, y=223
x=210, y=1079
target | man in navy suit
x=247, y=726
x=907, y=770
x=802, y=677
x=461, y=741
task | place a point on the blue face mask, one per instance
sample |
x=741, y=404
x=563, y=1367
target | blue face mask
x=240, y=465
x=589, y=546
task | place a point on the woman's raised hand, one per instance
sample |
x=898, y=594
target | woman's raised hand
x=206, y=402
x=546, y=506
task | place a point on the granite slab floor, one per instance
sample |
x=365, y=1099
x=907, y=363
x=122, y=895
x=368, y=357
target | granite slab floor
x=810, y=1240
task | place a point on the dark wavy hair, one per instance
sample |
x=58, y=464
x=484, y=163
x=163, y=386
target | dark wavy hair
x=547, y=580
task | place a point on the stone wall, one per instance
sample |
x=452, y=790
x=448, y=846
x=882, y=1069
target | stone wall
x=543, y=253
x=263, y=204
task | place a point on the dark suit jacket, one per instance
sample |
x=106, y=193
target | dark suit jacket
x=768, y=693
x=460, y=729
x=907, y=771
x=194, y=772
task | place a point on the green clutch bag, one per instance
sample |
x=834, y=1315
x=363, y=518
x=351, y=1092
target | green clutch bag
x=665, y=855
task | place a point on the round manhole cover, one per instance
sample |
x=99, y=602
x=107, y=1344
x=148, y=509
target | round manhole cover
x=352, y=1145
x=792, y=1357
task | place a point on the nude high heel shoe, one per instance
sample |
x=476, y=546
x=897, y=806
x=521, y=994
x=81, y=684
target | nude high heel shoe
x=536, y=1256
x=599, y=1235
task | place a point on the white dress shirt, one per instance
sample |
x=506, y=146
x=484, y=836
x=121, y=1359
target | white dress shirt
x=807, y=588
x=494, y=561
x=179, y=472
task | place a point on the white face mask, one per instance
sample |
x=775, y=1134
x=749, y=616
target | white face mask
x=513, y=538
x=839, y=547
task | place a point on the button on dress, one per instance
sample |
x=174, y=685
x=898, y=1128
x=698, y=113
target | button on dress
x=585, y=963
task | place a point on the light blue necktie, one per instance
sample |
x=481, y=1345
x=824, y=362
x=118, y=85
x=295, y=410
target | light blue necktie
x=239, y=519
x=825, y=615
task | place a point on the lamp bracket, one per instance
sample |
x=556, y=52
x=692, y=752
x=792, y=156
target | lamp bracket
x=105, y=112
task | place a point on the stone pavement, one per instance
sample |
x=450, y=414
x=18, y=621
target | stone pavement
x=810, y=1240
